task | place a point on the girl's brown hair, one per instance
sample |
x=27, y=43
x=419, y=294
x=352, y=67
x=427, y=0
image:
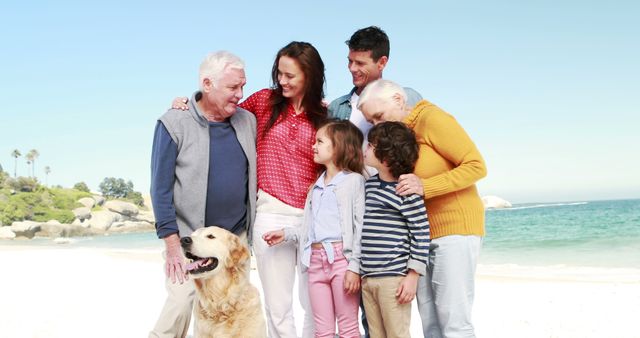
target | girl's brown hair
x=347, y=142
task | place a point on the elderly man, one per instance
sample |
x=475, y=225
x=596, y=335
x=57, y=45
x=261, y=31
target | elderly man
x=203, y=173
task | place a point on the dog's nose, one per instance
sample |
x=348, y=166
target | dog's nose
x=186, y=242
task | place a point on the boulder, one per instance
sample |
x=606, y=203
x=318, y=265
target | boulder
x=82, y=213
x=26, y=229
x=87, y=202
x=145, y=216
x=102, y=220
x=63, y=230
x=123, y=208
x=51, y=230
x=99, y=199
x=131, y=226
x=495, y=202
x=6, y=233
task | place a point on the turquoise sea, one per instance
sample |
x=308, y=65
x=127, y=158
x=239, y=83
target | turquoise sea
x=590, y=233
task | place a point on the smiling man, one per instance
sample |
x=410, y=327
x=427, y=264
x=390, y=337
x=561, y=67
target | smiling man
x=368, y=55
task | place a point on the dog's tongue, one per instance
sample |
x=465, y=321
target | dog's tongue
x=195, y=265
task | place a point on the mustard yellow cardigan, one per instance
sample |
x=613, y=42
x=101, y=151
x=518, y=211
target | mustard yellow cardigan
x=449, y=165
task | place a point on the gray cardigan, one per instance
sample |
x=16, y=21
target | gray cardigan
x=350, y=196
x=190, y=131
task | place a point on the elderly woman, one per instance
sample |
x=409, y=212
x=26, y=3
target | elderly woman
x=448, y=167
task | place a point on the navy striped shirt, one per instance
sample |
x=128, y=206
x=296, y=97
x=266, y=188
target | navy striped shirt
x=395, y=234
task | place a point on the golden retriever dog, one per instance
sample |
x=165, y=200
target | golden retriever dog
x=227, y=305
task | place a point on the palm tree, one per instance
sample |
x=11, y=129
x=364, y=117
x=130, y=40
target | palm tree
x=15, y=153
x=31, y=157
x=47, y=171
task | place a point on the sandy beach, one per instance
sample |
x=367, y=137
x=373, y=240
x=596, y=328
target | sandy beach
x=82, y=292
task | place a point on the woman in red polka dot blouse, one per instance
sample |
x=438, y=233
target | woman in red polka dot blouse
x=288, y=116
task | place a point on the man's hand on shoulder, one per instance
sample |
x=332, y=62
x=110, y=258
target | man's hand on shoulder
x=180, y=103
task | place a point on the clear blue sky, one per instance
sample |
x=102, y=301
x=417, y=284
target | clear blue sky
x=548, y=90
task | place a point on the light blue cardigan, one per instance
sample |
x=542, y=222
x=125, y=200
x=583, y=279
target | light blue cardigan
x=350, y=195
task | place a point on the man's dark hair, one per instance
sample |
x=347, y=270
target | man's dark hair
x=371, y=38
x=395, y=145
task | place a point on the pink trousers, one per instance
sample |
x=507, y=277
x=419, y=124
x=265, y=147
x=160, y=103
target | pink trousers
x=329, y=301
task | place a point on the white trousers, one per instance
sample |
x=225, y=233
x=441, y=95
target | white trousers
x=277, y=268
x=445, y=294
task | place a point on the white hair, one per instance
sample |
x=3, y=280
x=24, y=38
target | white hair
x=381, y=89
x=214, y=65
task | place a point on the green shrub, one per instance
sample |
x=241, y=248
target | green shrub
x=82, y=187
x=25, y=184
x=62, y=216
x=16, y=209
x=135, y=198
x=67, y=198
x=112, y=187
x=3, y=178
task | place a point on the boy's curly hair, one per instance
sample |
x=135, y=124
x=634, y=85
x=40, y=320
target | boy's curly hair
x=395, y=146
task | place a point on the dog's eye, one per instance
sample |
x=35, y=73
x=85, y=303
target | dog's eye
x=211, y=236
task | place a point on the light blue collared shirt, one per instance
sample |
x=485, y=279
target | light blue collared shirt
x=326, y=217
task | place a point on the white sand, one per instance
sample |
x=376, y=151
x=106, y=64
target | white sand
x=65, y=292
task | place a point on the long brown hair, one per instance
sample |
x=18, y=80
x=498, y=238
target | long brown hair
x=312, y=66
x=347, y=145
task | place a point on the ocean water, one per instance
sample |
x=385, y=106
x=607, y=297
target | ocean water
x=592, y=233
x=595, y=233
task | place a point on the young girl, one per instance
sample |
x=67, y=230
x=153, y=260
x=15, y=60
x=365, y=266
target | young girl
x=329, y=238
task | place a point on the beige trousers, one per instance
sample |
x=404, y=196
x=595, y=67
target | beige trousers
x=386, y=318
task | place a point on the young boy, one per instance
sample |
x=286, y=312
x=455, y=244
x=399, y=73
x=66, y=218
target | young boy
x=395, y=234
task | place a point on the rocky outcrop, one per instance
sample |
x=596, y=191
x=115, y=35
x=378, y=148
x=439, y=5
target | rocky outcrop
x=495, y=202
x=99, y=200
x=82, y=213
x=145, y=216
x=53, y=230
x=103, y=219
x=119, y=217
x=6, y=233
x=26, y=229
x=123, y=208
x=88, y=202
x=131, y=226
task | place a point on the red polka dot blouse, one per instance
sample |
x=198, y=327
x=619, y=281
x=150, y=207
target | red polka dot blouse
x=285, y=159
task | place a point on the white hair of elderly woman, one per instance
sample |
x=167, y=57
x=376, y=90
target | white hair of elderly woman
x=214, y=65
x=381, y=89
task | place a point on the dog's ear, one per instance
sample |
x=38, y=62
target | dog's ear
x=239, y=252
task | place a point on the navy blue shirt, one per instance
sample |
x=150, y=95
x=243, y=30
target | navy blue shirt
x=228, y=178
